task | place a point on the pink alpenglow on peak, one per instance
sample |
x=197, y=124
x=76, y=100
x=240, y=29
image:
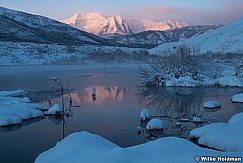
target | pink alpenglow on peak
x=97, y=24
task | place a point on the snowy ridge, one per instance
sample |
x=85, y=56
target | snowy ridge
x=139, y=25
x=19, y=26
x=148, y=39
x=227, y=38
x=97, y=24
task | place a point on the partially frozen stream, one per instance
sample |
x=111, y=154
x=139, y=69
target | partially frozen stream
x=114, y=114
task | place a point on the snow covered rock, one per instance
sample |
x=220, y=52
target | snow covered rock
x=155, y=124
x=83, y=146
x=10, y=120
x=13, y=110
x=181, y=82
x=211, y=104
x=11, y=93
x=55, y=109
x=197, y=119
x=13, y=100
x=145, y=114
x=237, y=98
x=222, y=136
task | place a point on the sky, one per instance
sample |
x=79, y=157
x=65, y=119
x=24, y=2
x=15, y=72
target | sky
x=190, y=11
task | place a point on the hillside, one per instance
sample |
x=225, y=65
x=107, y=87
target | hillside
x=18, y=26
x=150, y=39
x=227, y=38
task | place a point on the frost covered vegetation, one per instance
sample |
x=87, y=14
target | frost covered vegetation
x=183, y=66
x=53, y=54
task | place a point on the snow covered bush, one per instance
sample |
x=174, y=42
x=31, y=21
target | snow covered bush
x=180, y=62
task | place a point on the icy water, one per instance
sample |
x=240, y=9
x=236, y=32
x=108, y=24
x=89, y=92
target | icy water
x=113, y=113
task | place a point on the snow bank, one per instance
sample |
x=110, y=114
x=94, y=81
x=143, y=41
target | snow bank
x=237, y=98
x=211, y=104
x=145, y=114
x=230, y=81
x=11, y=93
x=155, y=124
x=181, y=82
x=222, y=136
x=13, y=100
x=10, y=120
x=13, y=110
x=86, y=147
x=54, y=109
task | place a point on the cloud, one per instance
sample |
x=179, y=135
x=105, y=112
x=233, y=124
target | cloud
x=158, y=9
x=220, y=14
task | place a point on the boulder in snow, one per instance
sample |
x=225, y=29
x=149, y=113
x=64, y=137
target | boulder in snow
x=155, y=124
x=145, y=114
x=55, y=109
x=211, y=104
x=237, y=98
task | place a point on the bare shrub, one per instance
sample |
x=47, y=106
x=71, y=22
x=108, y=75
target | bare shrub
x=179, y=62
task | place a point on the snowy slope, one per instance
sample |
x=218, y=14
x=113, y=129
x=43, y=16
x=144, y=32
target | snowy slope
x=227, y=38
x=23, y=27
x=149, y=39
x=97, y=24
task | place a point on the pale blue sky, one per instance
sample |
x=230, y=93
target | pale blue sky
x=191, y=11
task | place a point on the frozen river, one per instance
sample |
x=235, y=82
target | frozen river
x=113, y=114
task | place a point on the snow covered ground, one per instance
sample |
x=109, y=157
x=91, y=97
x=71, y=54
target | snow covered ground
x=13, y=110
x=83, y=146
x=53, y=54
x=222, y=136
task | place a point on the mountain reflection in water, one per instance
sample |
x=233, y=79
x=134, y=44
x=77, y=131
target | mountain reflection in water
x=103, y=93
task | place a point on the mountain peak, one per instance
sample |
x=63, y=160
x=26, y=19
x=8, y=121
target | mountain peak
x=97, y=24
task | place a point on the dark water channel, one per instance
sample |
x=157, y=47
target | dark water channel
x=113, y=114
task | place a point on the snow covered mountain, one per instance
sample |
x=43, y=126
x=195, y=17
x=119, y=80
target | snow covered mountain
x=227, y=38
x=140, y=25
x=19, y=26
x=97, y=24
x=149, y=39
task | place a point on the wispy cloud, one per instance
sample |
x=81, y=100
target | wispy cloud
x=223, y=14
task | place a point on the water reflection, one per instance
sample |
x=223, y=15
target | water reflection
x=238, y=105
x=101, y=94
x=19, y=126
x=172, y=102
x=179, y=108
